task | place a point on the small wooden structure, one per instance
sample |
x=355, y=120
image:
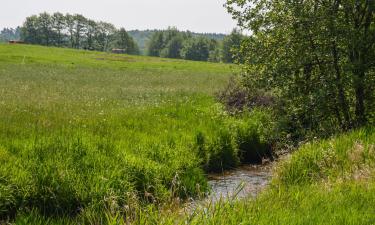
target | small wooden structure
x=118, y=51
x=16, y=42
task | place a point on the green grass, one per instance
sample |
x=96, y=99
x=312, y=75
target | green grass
x=325, y=182
x=87, y=136
x=96, y=138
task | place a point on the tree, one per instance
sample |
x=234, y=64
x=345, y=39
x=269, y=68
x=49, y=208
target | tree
x=70, y=22
x=156, y=44
x=124, y=41
x=104, y=36
x=231, y=46
x=91, y=28
x=173, y=47
x=317, y=56
x=44, y=27
x=196, y=49
x=58, y=25
x=30, y=30
x=79, y=29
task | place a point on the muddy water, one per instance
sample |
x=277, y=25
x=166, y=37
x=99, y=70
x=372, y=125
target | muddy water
x=240, y=183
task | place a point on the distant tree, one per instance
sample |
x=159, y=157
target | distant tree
x=197, y=49
x=231, y=46
x=91, y=28
x=69, y=20
x=173, y=47
x=156, y=44
x=79, y=29
x=124, y=41
x=30, y=30
x=58, y=26
x=44, y=26
x=8, y=34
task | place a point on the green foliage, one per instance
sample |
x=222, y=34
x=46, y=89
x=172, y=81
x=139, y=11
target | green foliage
x=75, y=31
x=173, y=43
x=125, y=42
x=315, y=56
x=143, y=37
x=156, y=44
x=197, y=49
x=325, y=182
x=231, y=47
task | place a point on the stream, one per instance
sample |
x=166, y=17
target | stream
x=245, y=181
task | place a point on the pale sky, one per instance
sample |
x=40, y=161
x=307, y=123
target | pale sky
x=193, y=15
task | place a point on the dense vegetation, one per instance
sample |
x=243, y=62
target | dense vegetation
x=142, y=37
x=325, y=182
x=87, y=134
x=315, y=57
x=173, y=43
x=76, y=31
x=96, y=138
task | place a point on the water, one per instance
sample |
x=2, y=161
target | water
x=240, y=183
x=236, y=184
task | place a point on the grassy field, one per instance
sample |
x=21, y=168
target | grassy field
x=85, y=135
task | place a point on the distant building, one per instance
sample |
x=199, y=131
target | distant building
x=16, y=42
x=118, y=51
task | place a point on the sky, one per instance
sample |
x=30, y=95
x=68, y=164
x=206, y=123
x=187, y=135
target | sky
x=195, y=15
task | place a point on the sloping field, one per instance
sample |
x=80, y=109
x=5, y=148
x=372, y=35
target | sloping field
x=88, y=133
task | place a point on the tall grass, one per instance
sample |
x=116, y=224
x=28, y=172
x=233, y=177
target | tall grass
x=324, y=182
x=91, y=137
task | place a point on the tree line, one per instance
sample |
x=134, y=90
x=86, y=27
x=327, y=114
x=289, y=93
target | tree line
x=76, y=31
x=8, y=34
x=316, y=57
x=172, y=43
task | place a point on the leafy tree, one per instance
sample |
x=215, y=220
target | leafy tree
x=156, y=44
x=124, y=41
x=231, y=46
x=105, y=33
x=79, y=29
x=173, y=47
x=316, y=56
x=44, y=26
x=91, y=28
x=30, y=30
x=58, y=25
x=70, y=22
x=197, y=49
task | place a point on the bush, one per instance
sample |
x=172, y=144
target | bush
x=237, y=98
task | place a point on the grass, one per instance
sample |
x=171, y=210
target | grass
x=96, y=138
x=324, y=182
x=86, y=137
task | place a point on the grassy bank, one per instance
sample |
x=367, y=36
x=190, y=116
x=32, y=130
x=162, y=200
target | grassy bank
x=325, y=182
x=87, y=134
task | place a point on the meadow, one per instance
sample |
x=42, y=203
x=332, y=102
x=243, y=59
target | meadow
x=87, y=135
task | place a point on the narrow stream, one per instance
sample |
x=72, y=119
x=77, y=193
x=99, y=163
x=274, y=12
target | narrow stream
x=245, y=181
x=236, y=184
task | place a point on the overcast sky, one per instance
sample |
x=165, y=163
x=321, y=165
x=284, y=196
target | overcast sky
x=194, y=15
